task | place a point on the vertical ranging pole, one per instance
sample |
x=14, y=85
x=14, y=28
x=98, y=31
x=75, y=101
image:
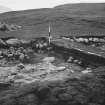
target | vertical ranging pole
x=49, y=37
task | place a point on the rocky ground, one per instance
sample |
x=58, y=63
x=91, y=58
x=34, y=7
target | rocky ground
x=50, y=76
x=45, y=70
x=58, y=85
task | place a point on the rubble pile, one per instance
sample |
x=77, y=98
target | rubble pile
x=95, y=41
x=13, y=55
x=15, y=50
x=6, y=27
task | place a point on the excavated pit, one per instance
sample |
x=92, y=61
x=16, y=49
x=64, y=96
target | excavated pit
x=51, y=77
x=86, y=59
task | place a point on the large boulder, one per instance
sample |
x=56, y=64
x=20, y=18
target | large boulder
x=13, y=41
x=25, y=41
x=49, y=59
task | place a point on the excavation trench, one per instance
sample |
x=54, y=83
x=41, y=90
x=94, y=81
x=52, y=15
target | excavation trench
x=63, y=50
x=85, y=58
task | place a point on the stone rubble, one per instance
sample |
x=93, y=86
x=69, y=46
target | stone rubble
x=45, y=70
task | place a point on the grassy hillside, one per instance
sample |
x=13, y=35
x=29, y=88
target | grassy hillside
x=68, y=19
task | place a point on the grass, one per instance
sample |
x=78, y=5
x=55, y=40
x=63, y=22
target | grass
x=70, y=19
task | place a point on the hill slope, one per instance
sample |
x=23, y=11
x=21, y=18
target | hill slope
x=68, y=19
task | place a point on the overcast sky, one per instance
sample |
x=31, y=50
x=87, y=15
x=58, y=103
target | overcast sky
x=31, y=4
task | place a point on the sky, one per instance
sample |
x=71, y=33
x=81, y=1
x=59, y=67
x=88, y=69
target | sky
x=34, y=4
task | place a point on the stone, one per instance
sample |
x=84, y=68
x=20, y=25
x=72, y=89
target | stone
x=86, y=71
x=13, y=41
x=20, y=66
x=49, y=59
